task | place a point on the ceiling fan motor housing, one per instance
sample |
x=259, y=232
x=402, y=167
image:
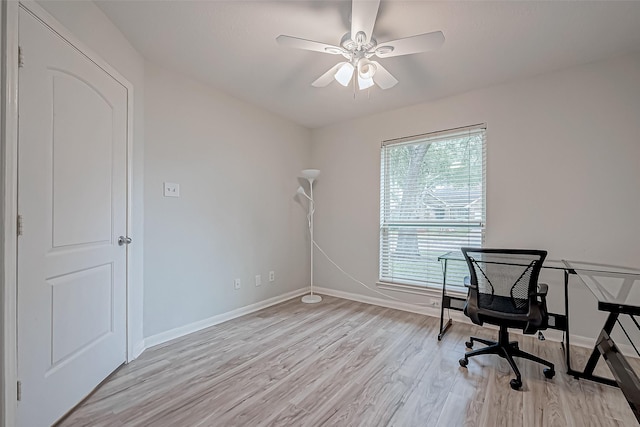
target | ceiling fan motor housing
x=355, y=50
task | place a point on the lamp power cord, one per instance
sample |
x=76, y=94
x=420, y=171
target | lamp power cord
x=312, y=209
x=362, y=283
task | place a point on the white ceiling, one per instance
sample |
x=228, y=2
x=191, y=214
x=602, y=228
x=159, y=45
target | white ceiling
x=231, y=46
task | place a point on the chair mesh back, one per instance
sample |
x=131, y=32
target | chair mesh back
x=504, y=279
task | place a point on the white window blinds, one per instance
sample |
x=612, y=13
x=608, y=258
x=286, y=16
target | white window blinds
x=432, y=201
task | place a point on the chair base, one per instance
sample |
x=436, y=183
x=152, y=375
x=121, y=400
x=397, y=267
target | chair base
x=508, y=350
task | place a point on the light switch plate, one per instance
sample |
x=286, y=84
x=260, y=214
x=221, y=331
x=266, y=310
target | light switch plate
x=171, y=189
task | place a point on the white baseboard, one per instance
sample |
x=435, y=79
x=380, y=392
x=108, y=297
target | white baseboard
x=398, y=305
x=137, y=350
x=550, y=334
x=217, y=319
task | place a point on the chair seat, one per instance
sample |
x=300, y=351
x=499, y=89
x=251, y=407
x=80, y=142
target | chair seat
x=504, y=305
x=499, y=310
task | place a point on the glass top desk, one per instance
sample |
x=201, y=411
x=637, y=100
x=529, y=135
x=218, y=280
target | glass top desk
x=617, y=291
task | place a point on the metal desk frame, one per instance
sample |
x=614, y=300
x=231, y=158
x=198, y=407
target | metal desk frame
x=626, y=378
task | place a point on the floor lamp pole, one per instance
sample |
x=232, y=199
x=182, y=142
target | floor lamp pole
x=311, y=175
x=311, y=209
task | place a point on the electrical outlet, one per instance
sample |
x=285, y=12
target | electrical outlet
x=435, y=303
x=272, y=276
x=236, y=284
x=171, y=189
x=258, y=280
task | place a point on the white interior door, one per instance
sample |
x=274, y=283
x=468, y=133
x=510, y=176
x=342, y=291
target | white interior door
x=72, y=201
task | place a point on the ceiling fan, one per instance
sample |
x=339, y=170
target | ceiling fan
x=359, y=45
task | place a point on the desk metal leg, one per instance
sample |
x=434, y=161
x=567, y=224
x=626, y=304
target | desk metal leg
x=625, y=376
x=567, y=347
x=443, y=327
x=595, y=354
x=601, y=349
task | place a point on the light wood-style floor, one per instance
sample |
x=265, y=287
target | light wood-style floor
x=343, y=363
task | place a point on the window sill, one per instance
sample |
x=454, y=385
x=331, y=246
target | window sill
x=427, y=291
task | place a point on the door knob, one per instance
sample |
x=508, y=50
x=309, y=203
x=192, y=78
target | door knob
x=122, y=240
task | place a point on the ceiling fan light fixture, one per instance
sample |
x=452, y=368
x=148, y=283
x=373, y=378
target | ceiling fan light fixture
x=366, y=69
x=364, y=83
x=344, y=74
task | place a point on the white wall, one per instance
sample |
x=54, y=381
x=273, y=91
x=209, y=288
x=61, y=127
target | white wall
x=236, y=216
x=563, y=174
x=89, y=24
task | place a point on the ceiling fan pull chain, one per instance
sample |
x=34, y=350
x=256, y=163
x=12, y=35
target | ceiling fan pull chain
x=354, y=84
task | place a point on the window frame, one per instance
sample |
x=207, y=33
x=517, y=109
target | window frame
x=428, y=285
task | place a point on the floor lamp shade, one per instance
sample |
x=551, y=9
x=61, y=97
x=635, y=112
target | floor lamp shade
x=310, y=174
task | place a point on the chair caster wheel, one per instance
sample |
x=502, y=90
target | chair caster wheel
x=463, y=362
x=549, y=373
x=515, y=384
x=469, y=344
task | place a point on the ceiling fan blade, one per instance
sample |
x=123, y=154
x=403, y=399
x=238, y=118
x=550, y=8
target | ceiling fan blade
x=327, y=77
x=363, y=17
x=409, y=45
x=298, y=43
x=382, y=77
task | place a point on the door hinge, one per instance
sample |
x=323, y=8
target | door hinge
x=19, y=225
x=19, y=390
x=20, y=57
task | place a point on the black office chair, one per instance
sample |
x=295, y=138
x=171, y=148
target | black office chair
x=504, y=291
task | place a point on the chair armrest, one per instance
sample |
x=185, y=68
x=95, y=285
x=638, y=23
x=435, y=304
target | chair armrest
x=467, y=283
x=543, y=288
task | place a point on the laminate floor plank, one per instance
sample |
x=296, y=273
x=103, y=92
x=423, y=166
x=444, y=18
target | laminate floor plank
x=377, y=395
x=205, y=385
x=543, y=405
x=301, y=356
x=191, y=370
x=427, y=398
x=308, y=375
x=344, y=363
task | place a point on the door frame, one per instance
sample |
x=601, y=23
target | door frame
x=9, y=12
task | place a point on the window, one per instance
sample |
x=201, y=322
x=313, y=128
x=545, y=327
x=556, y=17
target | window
x=432, y=201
